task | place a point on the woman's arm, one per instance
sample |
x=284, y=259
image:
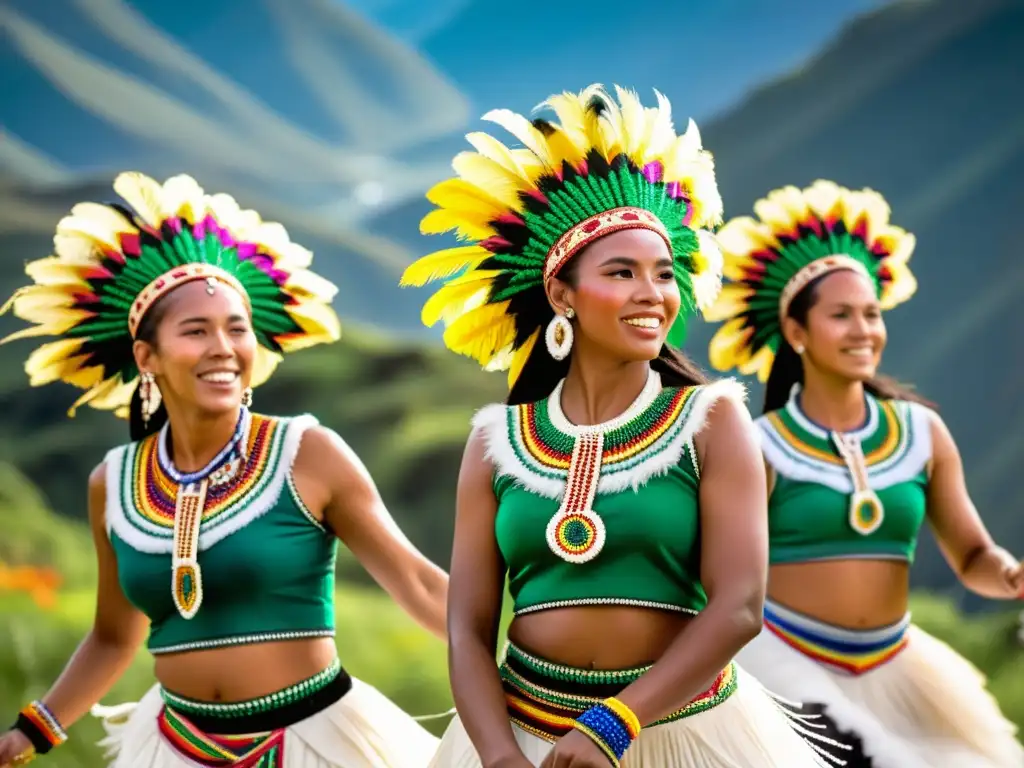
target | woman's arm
x=982, y=566
x=118, y=628
x=734, y=568
x=336, y=486
x=478, y=583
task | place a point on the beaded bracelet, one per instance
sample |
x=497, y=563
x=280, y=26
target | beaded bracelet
x=41, y=727
x=612, y=726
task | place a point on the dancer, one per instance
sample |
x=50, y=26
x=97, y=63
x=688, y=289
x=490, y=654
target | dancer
x=856, y=464
x=217, y=524
x=619, y=492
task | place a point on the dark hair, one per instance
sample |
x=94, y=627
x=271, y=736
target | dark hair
x=542, y=372
x=147, y=332
x=788, y=368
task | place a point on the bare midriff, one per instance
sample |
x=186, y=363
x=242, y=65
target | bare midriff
x=854, y=594
x=242, y=672
x=598, y=637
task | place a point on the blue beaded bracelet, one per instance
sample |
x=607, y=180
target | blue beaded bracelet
x=607, y=729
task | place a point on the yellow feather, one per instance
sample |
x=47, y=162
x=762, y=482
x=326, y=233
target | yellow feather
x=63, y=323
x=728, y=347
x=481, y=333
x=309, y=286
x=263, y=366
x=661, y=131
x=53, y=271
x=494, y=150
x=459, y=296
x=570, y=109
x=523, y=130
x=96, y=223
x=143, y=194
x=633, y=123
x=46, y=363
x=111, y=394
x=469, y=225
x=731, y=301
x=484, y=173
x=441, y=264
x=460, y=195
x=319, y=324
x=520, y=357
x=182, y=196
x=43, y=304
x=760, y=364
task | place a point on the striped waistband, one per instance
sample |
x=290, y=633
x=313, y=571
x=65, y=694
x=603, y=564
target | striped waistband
x=544, y=698
x=266, y=713
x=852, y=651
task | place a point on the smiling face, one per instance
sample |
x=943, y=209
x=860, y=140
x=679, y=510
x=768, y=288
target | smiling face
x=202, y=349
x=624, y=295
x=844, y=334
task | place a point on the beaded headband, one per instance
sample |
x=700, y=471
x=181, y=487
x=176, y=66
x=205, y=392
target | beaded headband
x=800, y=235
x=167, y=282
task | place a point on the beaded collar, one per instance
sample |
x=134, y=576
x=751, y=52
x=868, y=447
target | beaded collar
x=141, y=495
x=234, y=449
x=548, y=455
x=892, y=447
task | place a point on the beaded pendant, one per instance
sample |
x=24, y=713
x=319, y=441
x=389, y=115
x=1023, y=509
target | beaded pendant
x=866, y=511
x=186, y=576
x=576, y=532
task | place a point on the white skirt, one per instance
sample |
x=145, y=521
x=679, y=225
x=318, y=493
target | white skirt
x=748, y=729
x=363, y=729
x=913, y=702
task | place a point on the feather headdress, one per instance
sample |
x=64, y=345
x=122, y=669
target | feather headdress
x=800, y=235
x=600, y=167
x=112, y=263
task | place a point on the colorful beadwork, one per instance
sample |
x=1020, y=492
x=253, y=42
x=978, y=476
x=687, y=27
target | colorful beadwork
x=269, y=703
x=607, y=729
x=545, y=699
x=866, y=511
x=892, y=447
x=852, y=652
x=263, y=750
x=142, y=513
x=186, y=576
x=576, y=533
x=41, y=727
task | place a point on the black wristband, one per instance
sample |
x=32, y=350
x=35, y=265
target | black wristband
x=39, y=740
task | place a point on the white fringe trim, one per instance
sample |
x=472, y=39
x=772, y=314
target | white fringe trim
x=909, y=460
x=156, y=540
x=495, y=422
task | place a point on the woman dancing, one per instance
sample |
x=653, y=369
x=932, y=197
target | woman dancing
x=217, y=525
x=856, y=465
x=620, y=492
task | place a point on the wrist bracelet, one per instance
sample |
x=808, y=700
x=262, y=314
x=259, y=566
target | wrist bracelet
x=612, y=726
x=40, y=727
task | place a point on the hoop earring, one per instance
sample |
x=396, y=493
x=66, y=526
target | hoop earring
x=247, y=398
x=149, y=393
x=559, y=336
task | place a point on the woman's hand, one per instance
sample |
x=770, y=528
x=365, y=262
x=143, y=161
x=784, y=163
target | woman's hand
x=13, y=745
x=576, y=750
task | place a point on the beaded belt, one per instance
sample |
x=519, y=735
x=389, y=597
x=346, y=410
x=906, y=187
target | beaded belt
x=544, y=698
x=850, y=651
x=266, y=713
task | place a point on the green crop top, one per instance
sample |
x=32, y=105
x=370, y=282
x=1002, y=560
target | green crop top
x=810, y=515
x=602, y=515
x=267, y=565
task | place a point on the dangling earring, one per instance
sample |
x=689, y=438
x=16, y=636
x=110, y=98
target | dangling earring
x=798, y=348
x=149, y=393
x=247, y=398
x=559, y=335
